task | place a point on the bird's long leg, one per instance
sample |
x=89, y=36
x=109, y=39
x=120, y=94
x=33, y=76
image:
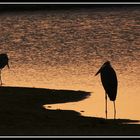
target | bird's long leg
x=114, y=110
x=106, y=104
x=0, y=79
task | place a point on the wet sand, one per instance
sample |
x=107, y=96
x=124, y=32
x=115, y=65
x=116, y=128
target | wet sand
x=22, y=113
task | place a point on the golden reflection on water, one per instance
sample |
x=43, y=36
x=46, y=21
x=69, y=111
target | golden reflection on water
x=127, y=105
x=127, y=101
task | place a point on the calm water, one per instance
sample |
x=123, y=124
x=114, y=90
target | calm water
x=64, y=50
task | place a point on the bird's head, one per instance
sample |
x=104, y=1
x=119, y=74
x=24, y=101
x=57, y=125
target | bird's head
x=107, y=63
x=5, y=56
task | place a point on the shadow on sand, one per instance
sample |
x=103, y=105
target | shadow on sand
x=22, y=113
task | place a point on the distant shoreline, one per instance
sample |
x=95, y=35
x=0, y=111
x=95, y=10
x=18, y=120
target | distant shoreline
x=36, y=7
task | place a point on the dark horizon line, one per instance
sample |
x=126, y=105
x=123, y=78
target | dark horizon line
x=32, y=7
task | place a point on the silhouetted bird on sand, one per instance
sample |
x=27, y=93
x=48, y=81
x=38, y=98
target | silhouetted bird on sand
x=109, y=82
x=3, y=62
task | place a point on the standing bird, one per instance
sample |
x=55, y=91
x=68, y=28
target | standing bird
x=3, y=62
x=109, y=82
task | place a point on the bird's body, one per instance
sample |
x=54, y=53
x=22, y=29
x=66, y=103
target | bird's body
x=109, y=82
x=3, y=62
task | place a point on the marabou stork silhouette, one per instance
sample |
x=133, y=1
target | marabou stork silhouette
x=110, y=83
x=3, y=62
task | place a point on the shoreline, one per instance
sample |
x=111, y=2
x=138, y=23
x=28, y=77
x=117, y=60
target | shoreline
x=22, y=114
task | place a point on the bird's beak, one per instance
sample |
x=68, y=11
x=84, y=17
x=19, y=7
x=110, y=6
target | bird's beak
x=98, y=71
x=8, y=66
